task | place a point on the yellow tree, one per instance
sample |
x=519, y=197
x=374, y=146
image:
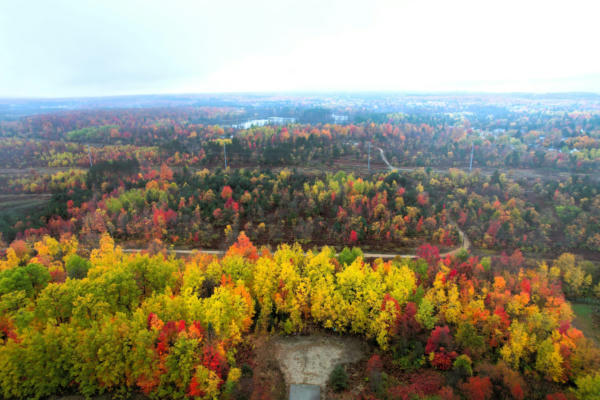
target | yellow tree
x=549, y=361
x=519, y=346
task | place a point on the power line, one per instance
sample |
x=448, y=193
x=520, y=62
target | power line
x=89, y=155
x=369, y=158
x=471, y=163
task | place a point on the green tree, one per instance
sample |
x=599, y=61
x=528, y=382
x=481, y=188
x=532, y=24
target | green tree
x=31, y=278
x=338, y=378
x=588, y=387
x=77, y=267
x=348, y=256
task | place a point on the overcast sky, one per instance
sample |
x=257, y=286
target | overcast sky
x=112, y=47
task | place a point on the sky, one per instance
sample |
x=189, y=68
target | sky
x=77, y=48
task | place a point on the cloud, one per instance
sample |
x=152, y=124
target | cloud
x=86, y=47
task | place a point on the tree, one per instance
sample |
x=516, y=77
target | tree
x=440, y=337
x=226, y=192
x=468, y=338
x=576, y=280
x=77, y=267
x=549, y=361
x=520, y=345
x=31, y=279
x=477, y=388
x=588, y=387
x=463, y=366
x=348, y=256
x=338, y=378
x=425, y=314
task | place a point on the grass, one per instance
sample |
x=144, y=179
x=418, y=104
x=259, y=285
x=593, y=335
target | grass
x=16, y=205
x=584, y=320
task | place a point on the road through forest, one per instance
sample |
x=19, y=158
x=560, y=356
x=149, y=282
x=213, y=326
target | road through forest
x=465, y=242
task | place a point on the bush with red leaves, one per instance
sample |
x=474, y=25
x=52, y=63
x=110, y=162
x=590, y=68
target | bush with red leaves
x=442, y=360
x=507, y=382
x=429, y=253
x=558, y=396
x=408, y=326
x=424, y=383
x=194, y=390
x=214, y=361
x=374, y=364
x=440, y=336
x=477, y=388
x=447, y=393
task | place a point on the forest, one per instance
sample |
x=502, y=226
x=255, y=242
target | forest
x=174, y=328
x=159, y=251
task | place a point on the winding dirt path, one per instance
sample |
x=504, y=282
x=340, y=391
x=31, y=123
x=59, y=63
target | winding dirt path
x=465, y=242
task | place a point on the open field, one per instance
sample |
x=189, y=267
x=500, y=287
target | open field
x=587, y=320
x=18, y=203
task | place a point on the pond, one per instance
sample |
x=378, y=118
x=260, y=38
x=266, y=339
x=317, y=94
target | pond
x=263, y=122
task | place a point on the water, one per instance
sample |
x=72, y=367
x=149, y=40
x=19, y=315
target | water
x=263, y=122
x=339, y=118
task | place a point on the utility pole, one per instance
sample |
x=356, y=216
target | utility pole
x=471, y=163
x=90, y=155
x=225, y=154
x=369, y=158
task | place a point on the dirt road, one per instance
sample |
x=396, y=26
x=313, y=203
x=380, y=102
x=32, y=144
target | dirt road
x=465, y=244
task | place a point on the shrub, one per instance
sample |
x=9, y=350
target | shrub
x=338, y=379
x=247, y=370
x=374, y=364
x=409, y=357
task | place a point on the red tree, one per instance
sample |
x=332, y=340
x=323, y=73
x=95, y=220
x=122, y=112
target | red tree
x=227, y=192
x=476, y=388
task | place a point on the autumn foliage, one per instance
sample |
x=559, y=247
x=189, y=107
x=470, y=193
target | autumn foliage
x=170, y=328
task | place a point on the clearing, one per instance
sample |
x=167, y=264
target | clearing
x=587, y=320
x=310, y=359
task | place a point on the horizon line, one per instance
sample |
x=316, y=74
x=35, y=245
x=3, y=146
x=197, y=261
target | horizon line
x=304, y=92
